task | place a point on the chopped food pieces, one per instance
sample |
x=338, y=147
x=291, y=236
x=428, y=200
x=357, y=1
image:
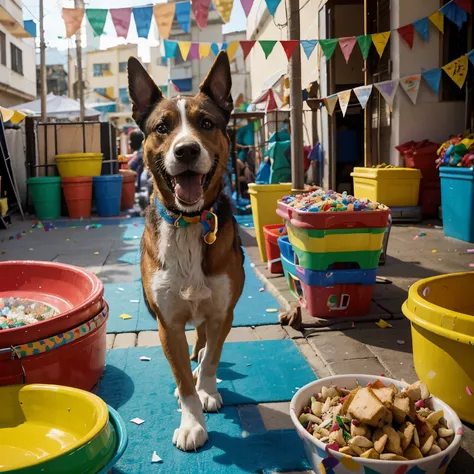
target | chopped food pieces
x=378, y=422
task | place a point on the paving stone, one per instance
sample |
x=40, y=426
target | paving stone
x=126, y=339
x=293, y=333
x=276, y=416
x=110, y=338
x=370, y=366
x=242, y=334
x=148, y=338
x=338, y=347
x=315, y=362
x=271, y=333
x=191, y=337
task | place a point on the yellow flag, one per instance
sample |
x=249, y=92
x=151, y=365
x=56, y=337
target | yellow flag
x=204, y=50
x=224, y=7
x=380, y=40
x=232, y=48
x=164, y=15
x=457, y=70
x=184, y=47
x=11, y=115
x=437, y=19
x=330, y=103
x=72, y=18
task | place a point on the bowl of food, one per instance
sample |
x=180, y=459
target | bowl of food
x=363, y=423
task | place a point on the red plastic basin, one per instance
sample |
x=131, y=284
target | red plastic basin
x=75, y=292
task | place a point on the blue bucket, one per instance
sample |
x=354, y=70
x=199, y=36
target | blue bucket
x=107, y=194
x=457, y=201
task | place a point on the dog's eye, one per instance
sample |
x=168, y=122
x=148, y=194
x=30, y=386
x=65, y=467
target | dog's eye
x=162, y=128
x=206, y=124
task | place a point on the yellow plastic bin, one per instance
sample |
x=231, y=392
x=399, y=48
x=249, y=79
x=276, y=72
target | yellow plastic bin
x=394, y=187
x=263, y=198
x=79, y=164
x=441, y=311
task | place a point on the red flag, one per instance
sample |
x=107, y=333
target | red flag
x=201, y=12
x=465, y=5
x=271, y=102
x=407, y=32
x=289, y=47
x=247, y=47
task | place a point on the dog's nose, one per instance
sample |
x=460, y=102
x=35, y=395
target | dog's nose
x=187, y=151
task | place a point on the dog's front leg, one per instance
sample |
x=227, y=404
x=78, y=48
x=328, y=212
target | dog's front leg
x=192, y=433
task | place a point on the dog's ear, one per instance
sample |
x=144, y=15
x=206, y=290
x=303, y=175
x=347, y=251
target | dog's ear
x=144, y=93
x=218, y=83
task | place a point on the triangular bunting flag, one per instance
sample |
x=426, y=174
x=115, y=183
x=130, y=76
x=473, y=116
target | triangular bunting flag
x=380, y=41
x=142, y=17
x=363, y=94
x=308, y=46
x=224, y=47
x=215, y=48
x=289, y=47
x=330, y=103
x=247, y=6
x=184, y=46
x=465, y=5
x=437, y=19
x=97, y=18
x=247, y=46
x=193, y=52
x=328, y=46
x=470, y=56
x=183, y=15
x=347, y=45
x=164, y=16
x=411, y=85
x=422, y=28
x=344, y=99
x=267, y=46
x=407, y=33
x=170, y=49
x=232, y=48
x=72, y=19
x=204, y=50
x=121, y=20
x=224, y=8
x=433, y=78
x=271, y=102
x=455, y=13
x=272, y=6
x=457, y=70
x=388, y=89
x=201, y=12
x=364, y=44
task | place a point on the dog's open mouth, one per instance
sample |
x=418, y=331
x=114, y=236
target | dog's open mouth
x=188, y=186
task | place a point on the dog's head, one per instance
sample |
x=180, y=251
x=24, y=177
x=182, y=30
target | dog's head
x=186, y=144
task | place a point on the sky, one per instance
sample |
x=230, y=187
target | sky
x=54, y=25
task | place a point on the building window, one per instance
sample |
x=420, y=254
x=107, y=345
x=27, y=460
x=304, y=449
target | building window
x=3, y=48
x=123, y=67
x=100, y=90
x=17, y=59
x=123, y=94
x=101, y=69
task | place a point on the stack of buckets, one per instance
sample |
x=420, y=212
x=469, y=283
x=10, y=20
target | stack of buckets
x=330, y=259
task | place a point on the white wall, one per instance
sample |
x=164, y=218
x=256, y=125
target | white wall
x=158, y=72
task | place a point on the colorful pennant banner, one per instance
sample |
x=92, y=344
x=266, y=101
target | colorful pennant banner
x=363, y=94
x=411, y=85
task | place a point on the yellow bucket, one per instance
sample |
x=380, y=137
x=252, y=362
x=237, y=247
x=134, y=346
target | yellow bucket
x=263, y=198
x=441, y=311
x=79, y=164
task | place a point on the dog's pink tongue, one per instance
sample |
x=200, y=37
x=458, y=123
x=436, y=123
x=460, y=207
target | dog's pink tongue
x=188, y=187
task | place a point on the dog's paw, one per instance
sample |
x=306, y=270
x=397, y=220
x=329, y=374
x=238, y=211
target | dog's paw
x=190, y=437
x=211, y=402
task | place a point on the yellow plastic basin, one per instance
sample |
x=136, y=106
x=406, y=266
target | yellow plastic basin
x=40, y=422
x=79, y=164
x=394, y=187
x=441, y=311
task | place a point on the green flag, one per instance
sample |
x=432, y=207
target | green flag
x=97, y=18
x=365, y=42
x=267, y=46
x=328, y=46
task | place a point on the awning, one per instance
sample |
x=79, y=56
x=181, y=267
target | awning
x=12, y=25
x=11, y=115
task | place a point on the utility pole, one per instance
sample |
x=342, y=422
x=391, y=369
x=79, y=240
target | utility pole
x=43, y=79
x=296, y=99
x=80, y=83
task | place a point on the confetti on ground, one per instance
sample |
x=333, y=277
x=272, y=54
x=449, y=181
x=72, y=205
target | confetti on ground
x=250, y=297
x=134, y=301
x=383, y=324
x=67, y=240
x=431, y=374
x=96, y=253
x=137, y=421
x=353, y=324
x=468, y=391
x=400, y=342
x=30, y=249
x=261, y=290
x=271, y=310
x=434, y=251
x=120, y=289
x=471, y=265
x=156, y=458
x=145, y=358
x=135, y=224
x=125, y=316
x=470, y=250
x=4, y=252
x=248, y=365
x=415, y=238
x=218, y=380
x=422, y=234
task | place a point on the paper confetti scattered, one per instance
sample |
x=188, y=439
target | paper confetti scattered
x=156, y=458
x=4, y=252
x=261, y=290
x=431, y=374
x=470, y=250
x=120, y=289
x=135, y=224
x=218, y=380
x=67, y=240
x=471, y=265
x=145, y=358
x=353, y=324
x=434, y=251
x=248, y=365
x=250, y=297
x=383, y=324
x=400, y=342
x=271, y=310
x=137, y=421
x=134, y=301
x=96, y=253
x=125, y=316
x=468, y=391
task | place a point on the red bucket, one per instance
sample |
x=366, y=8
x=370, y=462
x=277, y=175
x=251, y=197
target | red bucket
x=128, y=189
x=78, y=195
x=272, y=232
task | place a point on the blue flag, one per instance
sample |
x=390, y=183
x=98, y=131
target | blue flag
x=470, y=56
x=142, y=16
x=170, y=49
x=272, y=6
x=422, y=27
x=455, y=13
x=183, y=15
x=30, y=27
x=308, y=46
x=433, y=78
x=215, y=48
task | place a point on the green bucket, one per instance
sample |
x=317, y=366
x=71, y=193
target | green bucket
x=46, y=194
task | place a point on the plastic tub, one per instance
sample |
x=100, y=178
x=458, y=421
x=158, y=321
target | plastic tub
x=324, y=460
x=289, y=268
x=272, y=232
x=108, y=193
x=79, y=164
x=127, y=200
x=263, y=199
x=457, y=201
x=394, y=187
x=441, y=312
x=78, y=194
x=46, y=194
x=422, y=156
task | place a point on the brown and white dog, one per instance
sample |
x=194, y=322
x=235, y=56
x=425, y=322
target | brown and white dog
x=192, y=261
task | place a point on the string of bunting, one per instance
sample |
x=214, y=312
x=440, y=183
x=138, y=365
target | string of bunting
x=456, y=70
